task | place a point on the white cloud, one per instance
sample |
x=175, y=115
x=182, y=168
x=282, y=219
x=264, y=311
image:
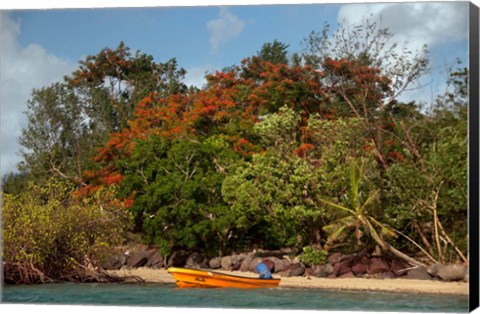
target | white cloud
x=225, y=27
x=418, y=23
x=196, y=75
x=22, y=69
x=413, y=26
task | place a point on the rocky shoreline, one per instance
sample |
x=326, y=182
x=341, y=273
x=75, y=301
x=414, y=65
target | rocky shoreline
x=282, y=264
x=161, y=276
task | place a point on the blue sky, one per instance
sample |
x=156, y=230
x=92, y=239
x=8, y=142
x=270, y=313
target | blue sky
x=41, y=46
x=170, y=32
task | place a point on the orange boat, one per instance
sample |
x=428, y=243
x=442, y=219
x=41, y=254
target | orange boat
x=198, y=278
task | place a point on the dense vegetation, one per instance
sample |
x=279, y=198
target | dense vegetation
x=48, y=235
x=312, y=151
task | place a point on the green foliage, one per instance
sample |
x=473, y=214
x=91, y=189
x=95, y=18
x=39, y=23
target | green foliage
x=433, y=177
x=278, y=189
x=273, y=192
x=69, y=120
x=55, y=138
x=311, y=256
x=278, y=129
x=177, y=188
x=112, y=82
x=337, y=140
x=358, y=209
x=15, y=183
x=274, y=52
x=48, y=235
x=266, y=154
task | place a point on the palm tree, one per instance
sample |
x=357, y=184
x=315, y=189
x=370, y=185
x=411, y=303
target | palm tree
x=358, y=217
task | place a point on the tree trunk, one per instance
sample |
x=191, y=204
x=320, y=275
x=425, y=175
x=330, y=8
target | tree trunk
x=318, y=238
x=403, y=256
x=424, y=238
x=449, y=240
x=387, y=247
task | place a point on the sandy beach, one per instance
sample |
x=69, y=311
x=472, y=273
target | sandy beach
x=363, y=284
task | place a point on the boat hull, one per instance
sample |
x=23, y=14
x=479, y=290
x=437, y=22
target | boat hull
x=197, y=278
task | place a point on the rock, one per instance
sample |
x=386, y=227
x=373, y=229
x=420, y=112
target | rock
x=347, y=275
x=329, y=269
x=296, y=269
x=195, y=260
x=433, y=269
x=378, y=265
x=245, y=266
x=334, y=258
x=342, y=267
x=203, y=263
x=360, y=265
x=270, y=264
x=215, y=263
x=309, y=271
x=348, y=258
x=232, y=262
x=237, y=265
x=155, y=261
x=238, y=258
x=286, y=272
x=138, y=258
x=321, y=271
x=399, y=267
x=178, y=259
x=388, y=275
x=419, y=273
x=112, y=261
x=452, y=272
x=122, y=261
x=315, y=271
x=279, y=265
x=237, y=261
x=226, y=262
x=359, y=269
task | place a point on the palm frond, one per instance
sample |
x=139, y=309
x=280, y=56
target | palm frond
x=355, y=179
x=375, y=235
x=348, y=222
x=338, y=234
x=384, y=229
x=372, y=197
x=338, y=206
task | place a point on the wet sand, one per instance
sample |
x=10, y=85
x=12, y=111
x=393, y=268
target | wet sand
x=362, y=284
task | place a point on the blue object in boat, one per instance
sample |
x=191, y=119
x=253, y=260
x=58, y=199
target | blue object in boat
x=263, y=270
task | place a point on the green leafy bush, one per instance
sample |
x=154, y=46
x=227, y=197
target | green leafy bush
x=311, y=256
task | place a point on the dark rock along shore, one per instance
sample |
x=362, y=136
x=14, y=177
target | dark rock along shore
x=280, y=262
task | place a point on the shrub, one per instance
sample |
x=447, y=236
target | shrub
x=311, y=256
x=48, y=235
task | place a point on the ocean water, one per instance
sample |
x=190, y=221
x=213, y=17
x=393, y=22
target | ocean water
x=168, y=295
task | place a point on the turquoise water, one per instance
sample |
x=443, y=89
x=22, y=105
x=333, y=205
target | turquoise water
x=279, y=298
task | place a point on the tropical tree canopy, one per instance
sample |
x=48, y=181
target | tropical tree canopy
x=315, y=149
